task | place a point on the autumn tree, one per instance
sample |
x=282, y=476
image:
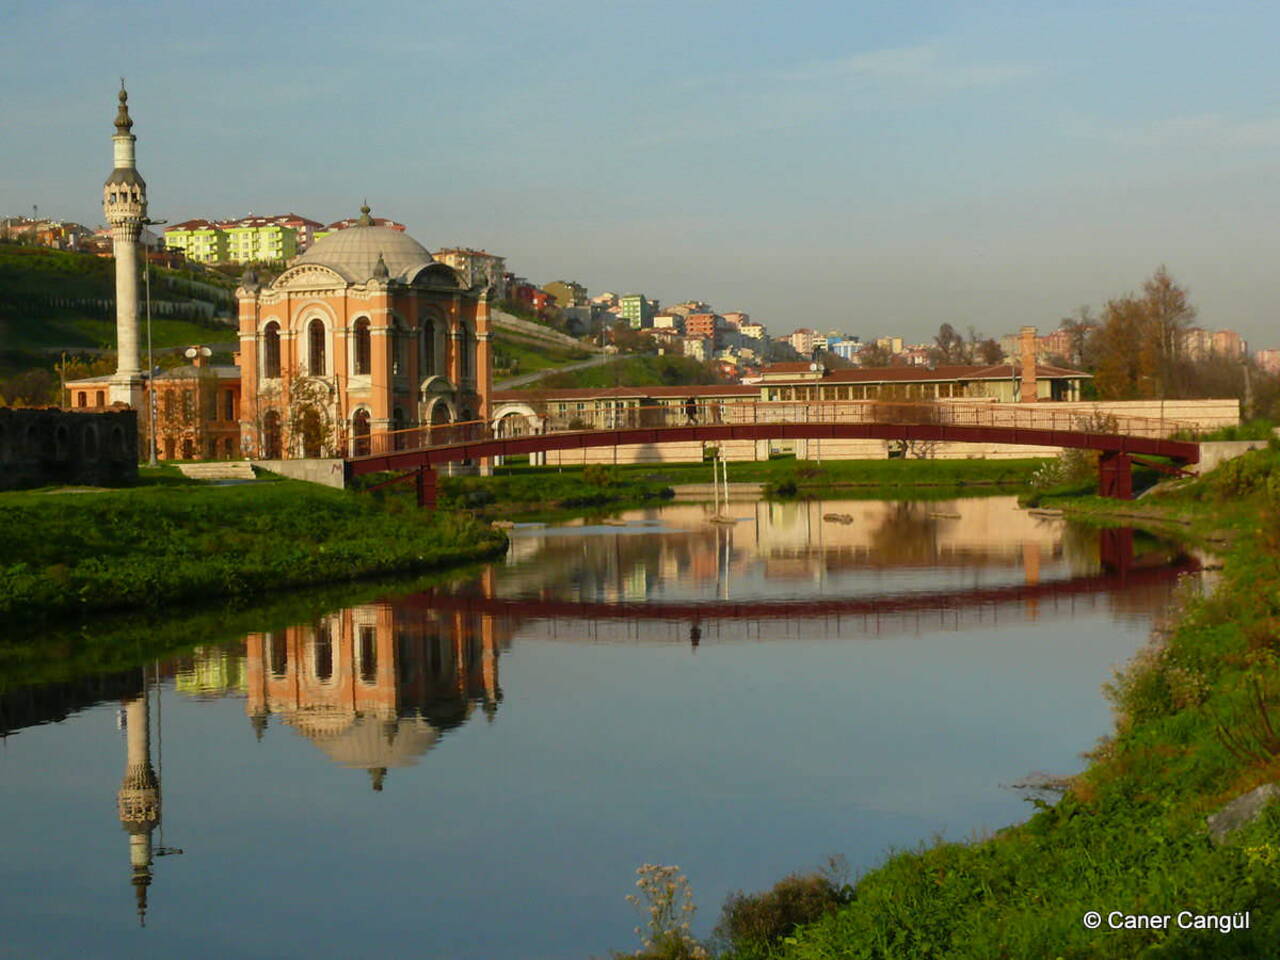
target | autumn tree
x=1080, y=328
x=1137, y=344
x=949, y=347
x=988, y=352
x=1169, y=314
x=874, y=355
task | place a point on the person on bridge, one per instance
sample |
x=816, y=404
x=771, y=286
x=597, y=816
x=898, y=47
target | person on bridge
x=691, y=410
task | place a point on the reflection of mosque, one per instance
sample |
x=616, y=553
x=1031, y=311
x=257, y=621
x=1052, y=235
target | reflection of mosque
x=375, y=686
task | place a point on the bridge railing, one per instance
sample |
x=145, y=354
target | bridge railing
x=598, y=416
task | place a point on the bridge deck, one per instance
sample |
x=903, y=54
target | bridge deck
x=1027, y=425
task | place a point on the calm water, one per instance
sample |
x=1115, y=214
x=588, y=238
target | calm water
x=476, y=771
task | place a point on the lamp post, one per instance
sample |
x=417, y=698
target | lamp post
x=151, y=365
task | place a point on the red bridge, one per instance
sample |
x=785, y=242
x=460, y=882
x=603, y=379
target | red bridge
x=1121, y=441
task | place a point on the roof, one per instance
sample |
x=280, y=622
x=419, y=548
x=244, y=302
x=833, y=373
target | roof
x=790, y=366
x=196, y=224
x=1002, y=371
x=655, y=393
x=353, y=253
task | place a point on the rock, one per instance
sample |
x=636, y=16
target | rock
x=838, y=517
x=1243, y=810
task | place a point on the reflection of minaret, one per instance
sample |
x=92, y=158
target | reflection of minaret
x=139, y=798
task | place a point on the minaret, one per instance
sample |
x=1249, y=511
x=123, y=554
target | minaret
x=124, y=202
x=139, y=798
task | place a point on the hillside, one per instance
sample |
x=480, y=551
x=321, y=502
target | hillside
x=636, y=371
x=56, y=299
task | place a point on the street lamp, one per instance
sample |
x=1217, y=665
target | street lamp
x=151, y=366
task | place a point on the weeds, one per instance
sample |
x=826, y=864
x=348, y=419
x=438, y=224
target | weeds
x=665, y=901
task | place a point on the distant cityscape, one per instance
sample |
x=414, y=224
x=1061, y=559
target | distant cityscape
x=732, y=341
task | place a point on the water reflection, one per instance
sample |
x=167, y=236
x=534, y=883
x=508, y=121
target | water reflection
x=612, y=733
x=375, y=686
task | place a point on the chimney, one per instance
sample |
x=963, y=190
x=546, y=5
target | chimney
x=1028, y=336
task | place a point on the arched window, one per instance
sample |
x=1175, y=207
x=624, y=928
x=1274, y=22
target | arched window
x=279, y=655
x=360, y=430
x=271, y=435
x=101, y=398
x=82, y=399
x=368, y=655
x=313, y=432
x=464, y=353
x=324, y=653
x=399, y=350
x=271, y=350
x=428, y=347
x=364, y=348
x=315, y=348
x=230, y=403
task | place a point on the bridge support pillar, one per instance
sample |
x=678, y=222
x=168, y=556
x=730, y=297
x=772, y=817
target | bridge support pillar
x=426, y=482
x=1115, y=475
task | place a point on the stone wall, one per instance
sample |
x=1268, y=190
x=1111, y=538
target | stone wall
x=314, y=470
x=48, y=447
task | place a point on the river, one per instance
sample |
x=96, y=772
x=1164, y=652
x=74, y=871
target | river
x=476, y=770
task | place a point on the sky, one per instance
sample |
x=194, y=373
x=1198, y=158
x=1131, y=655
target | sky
x=873, y=167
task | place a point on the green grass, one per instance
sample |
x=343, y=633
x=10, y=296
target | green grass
x=635, y=371
x=56, y=298
x=529, y=358
x=812, y=475
x=116, y=642
x=523, y=495
x=71, y=554
x=1194, y=717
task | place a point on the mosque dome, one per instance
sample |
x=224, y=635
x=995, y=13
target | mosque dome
x=355, y=251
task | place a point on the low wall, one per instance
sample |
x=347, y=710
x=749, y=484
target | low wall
x=1218, y=451
x=46, y=447
x=1205, y=414
x=323, y=471
x=684, y=451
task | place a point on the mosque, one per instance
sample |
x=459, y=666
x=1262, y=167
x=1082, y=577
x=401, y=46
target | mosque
x=363, y=332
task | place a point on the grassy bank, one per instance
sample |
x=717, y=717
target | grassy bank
x=826, y=473
x=112, y=643
x=522, y=494
x=1197, y=715
x=71, y=554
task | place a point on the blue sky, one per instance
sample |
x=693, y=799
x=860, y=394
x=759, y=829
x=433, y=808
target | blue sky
x=874, y=167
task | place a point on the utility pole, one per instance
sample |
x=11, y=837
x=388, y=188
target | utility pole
x=151, y=363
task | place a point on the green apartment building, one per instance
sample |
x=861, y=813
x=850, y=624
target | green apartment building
x=249, y=240
x=255, y=239
x=202, y=241
x=636, y=310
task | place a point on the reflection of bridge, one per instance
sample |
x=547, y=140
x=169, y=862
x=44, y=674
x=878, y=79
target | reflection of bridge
x=746, y=611
x=420, y=450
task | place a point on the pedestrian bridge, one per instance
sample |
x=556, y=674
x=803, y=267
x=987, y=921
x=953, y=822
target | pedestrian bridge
x=1120, y=440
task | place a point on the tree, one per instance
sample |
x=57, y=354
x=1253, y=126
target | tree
x=1080, y=328
x=1169, y=314
x=874, y=355
x=949, y=347
x=1138, y=344
x=988, y=352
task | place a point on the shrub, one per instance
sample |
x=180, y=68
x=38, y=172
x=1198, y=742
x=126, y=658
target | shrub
x=752, y=924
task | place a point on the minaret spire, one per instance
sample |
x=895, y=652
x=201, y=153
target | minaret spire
x=124, y=203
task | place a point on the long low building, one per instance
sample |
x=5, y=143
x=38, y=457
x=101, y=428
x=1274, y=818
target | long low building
x=1056, y=390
